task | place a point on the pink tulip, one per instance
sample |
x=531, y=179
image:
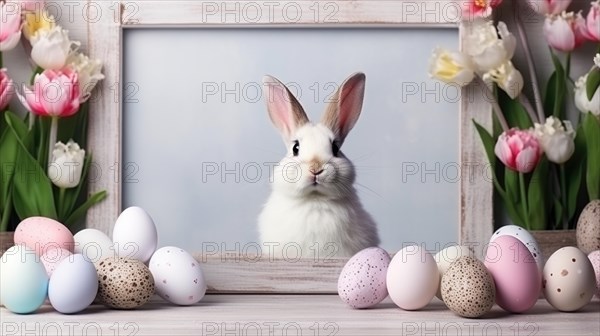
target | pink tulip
x=479, y=8
x=566, y=31
x=55, y=94
x=6, y=89
x=30, y=5
x=552, y=7
x=10, y=25
x=519, y=150
x=593, y=22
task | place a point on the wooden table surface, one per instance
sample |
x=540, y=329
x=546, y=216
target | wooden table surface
x=297, y=315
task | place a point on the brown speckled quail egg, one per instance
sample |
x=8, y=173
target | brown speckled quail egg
x=588, y=227
x=468, y=288
x=569, y=281
x=124, y=283
x=362, y=282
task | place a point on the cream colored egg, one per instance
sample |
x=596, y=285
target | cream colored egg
x=447, y=256
x=569, y=281
x=468, y=288
x=124, y=283
x=588, y=228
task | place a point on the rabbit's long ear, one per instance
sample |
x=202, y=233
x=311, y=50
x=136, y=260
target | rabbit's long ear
x=344, y=109
x=285, y=111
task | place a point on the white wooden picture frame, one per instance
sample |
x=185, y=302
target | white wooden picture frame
x=228, y=273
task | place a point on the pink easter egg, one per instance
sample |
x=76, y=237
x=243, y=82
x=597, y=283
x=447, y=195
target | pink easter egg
x=595, y=259
x=53, y=257
x=42, y=234
x=515, y=272
x=362, y=282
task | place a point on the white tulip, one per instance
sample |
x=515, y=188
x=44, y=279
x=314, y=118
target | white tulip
x=66, y=166
x=487, y=50
x=556, y=140
x=451, y=67
x=582, y=102
x=597, y=60
x=508, y=79
x=51, y=48
x=88, y=71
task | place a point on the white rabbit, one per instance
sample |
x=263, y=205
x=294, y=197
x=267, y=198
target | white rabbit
x=313, y=209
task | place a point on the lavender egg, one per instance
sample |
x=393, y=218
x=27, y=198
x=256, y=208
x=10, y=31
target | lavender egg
x=362, y=282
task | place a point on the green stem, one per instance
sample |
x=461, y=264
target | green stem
x=61, y=204
x=563, y=194
x=6, y=213
x=568, y=65
x=52, y=137
x=495, y=106
x=524, y=200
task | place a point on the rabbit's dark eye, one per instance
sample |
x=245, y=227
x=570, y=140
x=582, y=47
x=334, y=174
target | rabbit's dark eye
x=296, y=148
x=335, y=149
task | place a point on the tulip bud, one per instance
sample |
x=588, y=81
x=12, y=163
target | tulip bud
x=487, y=50
x=50, y=48
x=451, y=67
x=582, y=102
x=593, y=22
x=519, y=150
x=566, y=31
x=38, y=21
x=88, y=71
x=551, y=7
x=556, y=140
x=66, y=165
x=508, y=79
x=54, y=94
x=10, y=25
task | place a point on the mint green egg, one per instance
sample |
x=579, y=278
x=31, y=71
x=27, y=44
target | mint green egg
x=23, y=280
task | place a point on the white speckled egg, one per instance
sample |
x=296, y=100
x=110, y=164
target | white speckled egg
x=178, y=277
x=51, y=259
x=447, y=256
x=588, y=227
x=124, y=283
x=362, y=282
x=134, y=235
x=468, y=288
x=412, y=278
x=569, y=282
x=595, y=260
x=518, y=282
x=93, y=244
x=74, y=285
x=23, y=280
x=524, y=237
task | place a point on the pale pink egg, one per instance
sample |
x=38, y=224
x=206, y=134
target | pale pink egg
x=53, y=257
x=42, y=234
x=595, y=259
x=362, y=282
x=515, y=272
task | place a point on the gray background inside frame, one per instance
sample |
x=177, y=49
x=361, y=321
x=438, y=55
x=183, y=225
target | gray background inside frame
x=197, y=141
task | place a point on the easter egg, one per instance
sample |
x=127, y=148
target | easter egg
x=468, y=288
x=93, y=244
x=178, y=277
x=134, y=235
x=588, y=228
x=73, y=285
x=569, y=282
x=412, y=278
x=524, y=237
x=362, y=282
x=446, y=257
x=515, y=272
x=124, y=283
x=595, y=260
x=23, y=280
x=41, y=234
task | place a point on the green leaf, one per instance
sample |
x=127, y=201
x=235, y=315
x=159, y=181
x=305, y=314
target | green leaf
x=593, y=82
x=511, y=182
x=8, y=154
x=536, y=195
x=555, y=90
x=32, y=193
x=515, y=114
x=558, y=212
x=591, y=128
x=74, y=127
x=81, y=211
